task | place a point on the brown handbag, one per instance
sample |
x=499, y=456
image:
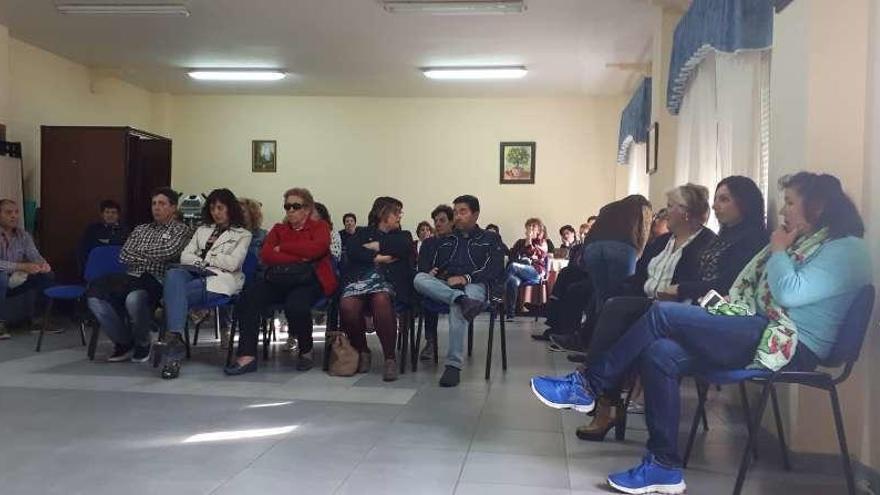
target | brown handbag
x=343, y=356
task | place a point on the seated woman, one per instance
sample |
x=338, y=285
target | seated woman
x=739, y=208
x=569, y=241
x=424, y=231
x=299, y=271
x=321, y=213
x=803, y=283
x=528, y=262
x=379, y=271
x=210, y=268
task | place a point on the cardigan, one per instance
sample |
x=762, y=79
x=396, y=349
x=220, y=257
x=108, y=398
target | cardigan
x=224, y=259
x=397, y=243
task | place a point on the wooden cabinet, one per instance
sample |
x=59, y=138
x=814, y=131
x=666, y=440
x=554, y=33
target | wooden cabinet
x=80, y=167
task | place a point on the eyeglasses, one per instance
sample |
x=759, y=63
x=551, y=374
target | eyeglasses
x=293, y=206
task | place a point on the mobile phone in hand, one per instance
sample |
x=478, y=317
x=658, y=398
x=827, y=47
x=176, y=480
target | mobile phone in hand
x=711, y=299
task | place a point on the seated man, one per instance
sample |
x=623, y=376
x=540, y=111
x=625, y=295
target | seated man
x=22, y=268
x=147, y=253
x=109, y=231
x=442, y=216
x=465, y=262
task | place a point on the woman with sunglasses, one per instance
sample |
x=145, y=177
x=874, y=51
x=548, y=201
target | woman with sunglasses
x=299, y=271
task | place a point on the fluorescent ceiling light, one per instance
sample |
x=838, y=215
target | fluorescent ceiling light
x=219, y=436
x=237, y=75
x=123, y=9
x=455, y=7
x=505, y=72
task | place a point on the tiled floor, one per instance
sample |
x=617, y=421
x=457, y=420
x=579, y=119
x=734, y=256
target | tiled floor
x=70, y=426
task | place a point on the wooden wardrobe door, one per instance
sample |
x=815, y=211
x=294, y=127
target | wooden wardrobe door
x=149, y=167
x=79, y=168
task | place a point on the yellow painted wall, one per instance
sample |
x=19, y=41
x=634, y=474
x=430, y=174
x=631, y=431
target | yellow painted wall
x=422, y=151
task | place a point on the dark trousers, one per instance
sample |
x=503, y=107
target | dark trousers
x=297, y=302
x=431, y=319
x=672, y=340
x=560, y=299
x=618, y=314
x=36, y=282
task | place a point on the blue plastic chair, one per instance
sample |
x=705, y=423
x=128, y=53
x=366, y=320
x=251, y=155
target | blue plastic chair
x=102, y=260
x=844, y=354
x=496, y=308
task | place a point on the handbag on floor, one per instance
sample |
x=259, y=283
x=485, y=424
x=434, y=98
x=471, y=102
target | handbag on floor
x=343, y=356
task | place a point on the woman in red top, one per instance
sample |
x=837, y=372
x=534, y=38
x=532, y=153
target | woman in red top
x=299, y=240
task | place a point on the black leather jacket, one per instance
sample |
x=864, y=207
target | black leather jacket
x=481, y=261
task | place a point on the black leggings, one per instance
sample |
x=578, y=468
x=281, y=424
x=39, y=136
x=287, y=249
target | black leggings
x=297, y=301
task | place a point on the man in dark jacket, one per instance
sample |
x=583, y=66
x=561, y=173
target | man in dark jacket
x=463, y=265
x=108, y=232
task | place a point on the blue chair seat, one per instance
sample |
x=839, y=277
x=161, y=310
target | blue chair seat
x=213, y=302
x=65, y=291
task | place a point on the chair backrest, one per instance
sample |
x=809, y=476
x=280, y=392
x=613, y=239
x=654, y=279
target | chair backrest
x=852, y=332
x=249, y=267
x=103, y=260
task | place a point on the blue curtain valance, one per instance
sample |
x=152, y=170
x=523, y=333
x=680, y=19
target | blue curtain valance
x=635, y=120
x=720, y=25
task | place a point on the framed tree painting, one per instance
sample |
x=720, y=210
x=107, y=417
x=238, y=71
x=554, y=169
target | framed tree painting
x=517, y=162
x=265, y=155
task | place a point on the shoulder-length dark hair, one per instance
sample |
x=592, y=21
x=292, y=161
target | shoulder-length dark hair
x=749, y=199
x=382, y=206
x=324, y=213
x=826, y=204
x=233, y=207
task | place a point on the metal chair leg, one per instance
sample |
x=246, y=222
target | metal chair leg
x=413, y=345
x=403, y=334
x=93, y=342
x=420, y=324
x=501, y=327
x=470, y=338
x=490, y=345
x=744, y=398
x=45, y=324
x=841, y=439
x=754, y=424
x=780, y=433
x=698, y=414
x=232, y=328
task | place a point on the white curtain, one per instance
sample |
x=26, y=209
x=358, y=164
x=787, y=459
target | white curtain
x=724, y=121
x=638, y=180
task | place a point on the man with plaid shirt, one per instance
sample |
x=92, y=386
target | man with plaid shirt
x=147, y=253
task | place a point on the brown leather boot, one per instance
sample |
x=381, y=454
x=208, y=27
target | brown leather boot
x=606, y=417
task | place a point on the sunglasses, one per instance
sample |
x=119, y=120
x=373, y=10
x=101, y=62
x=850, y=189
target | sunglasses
x=293, y=206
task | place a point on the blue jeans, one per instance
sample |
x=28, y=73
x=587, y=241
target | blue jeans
x=436, y=289
x=36, y=282
x=140, y=313
x=518, y=274
x=183, y=289
x=608, y=263
x=669, y=341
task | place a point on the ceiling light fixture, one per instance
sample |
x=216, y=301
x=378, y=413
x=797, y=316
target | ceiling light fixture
x=123, y=9
x=498, y=72
x=237, y=75
x=454, y=7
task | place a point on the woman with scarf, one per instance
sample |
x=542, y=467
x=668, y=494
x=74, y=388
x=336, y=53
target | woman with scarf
x=791, y=299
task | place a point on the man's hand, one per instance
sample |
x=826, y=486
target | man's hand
x=30, y=268
x=45, y=268
x=372, y=246
x=434, y=271
x=456, y=281
x=668, y=294
x=383, y=259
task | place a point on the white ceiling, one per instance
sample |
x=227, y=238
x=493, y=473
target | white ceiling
x=352, y=47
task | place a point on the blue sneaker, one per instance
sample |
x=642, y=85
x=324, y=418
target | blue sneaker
x=563, y=394
x=573, y=377
x=649, y=477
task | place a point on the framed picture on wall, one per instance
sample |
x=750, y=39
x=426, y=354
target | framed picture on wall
x=265, y=155
x=518, y=162
x=652, y=148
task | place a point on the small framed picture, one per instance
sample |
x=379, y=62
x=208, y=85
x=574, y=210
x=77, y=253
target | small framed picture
x=653, y=148
x=518, y=163
x=265, y=155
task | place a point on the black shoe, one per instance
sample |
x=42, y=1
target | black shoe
x=470, y=308
x=140, y=354
x=304, y=361
x=543, y=336
x=567, y=342
x=121, y=354
x=173, y=352
x=235, y=369
x=451, y=377
x=170, y=370
x=577, y=358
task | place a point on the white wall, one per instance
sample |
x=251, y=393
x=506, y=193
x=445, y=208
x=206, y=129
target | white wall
x=46, y=89
x=423, y=151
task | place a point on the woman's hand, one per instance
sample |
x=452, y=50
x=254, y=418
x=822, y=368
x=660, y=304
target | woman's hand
x=372, y=246
x=782, y=238
x=668, y=294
